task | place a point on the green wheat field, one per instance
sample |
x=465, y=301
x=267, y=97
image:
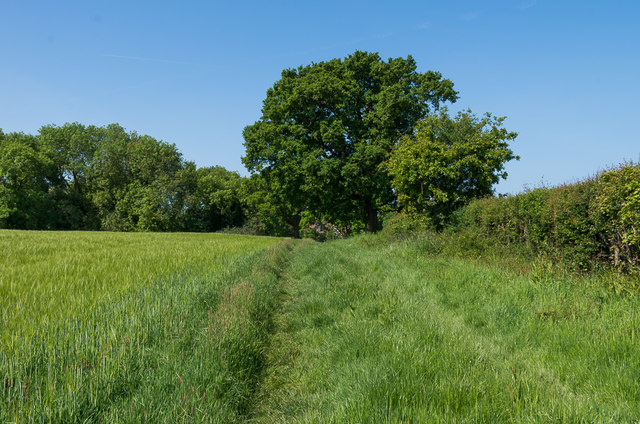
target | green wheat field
x=116, y=327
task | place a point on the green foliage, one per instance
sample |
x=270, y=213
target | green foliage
x=269, y=212
x=137, y=183
x=326, y=128
x=446, y=162
x=618, y=205
x=555, y=221
x=25, y=178
x=585, y=224
x=217, y=201
x=91, y=178
x=311, y=227
x=406, y=224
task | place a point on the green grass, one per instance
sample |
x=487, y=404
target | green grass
x=112, y=327
x=44, y=275
x=129, y=328
x=375, y=331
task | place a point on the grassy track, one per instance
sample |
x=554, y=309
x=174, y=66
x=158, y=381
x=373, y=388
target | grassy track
x=372, y=333
x=103, y=327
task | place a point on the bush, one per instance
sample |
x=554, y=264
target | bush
x=404, y=224
x=617, y=204
x=585, y=224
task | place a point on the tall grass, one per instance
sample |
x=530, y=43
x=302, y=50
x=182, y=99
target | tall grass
x=376, y=330
x=102, y=327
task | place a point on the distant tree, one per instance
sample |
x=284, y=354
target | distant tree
x=76, y=177
x=24, y=184
x=5, y=203
x=6, y=206
x=136, y=182
x=445, y=162
x=110, y=176
x=71, y=148
x=326, y=128
x=267, y=209
x=218, y=199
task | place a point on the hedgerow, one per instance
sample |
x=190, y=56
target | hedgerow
x=587, y=224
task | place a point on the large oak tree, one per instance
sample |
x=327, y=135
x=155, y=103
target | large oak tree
x=326, y=128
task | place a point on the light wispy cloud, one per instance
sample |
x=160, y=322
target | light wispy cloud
x=155, y=60
x=426, y=25
x=526, y=4
x=383, y=35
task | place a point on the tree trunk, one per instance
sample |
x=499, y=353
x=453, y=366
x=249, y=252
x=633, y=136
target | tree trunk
x=293, y=224
x=372, y=217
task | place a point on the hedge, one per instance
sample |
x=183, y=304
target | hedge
x=588, y=223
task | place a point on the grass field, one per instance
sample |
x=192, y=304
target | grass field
x=116, y=327
x=134, y=328
x=388, y=332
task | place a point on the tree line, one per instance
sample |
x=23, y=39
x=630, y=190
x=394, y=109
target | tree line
x=339, y=144
x=76, y=177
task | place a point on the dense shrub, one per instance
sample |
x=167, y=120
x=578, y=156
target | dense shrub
x=587, y=223
x=617, y=204
x=403, y=224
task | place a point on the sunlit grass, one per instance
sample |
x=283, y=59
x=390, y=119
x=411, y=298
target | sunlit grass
x=363, y=330
x=113, y=327
x=48, y=275
x=389, y=332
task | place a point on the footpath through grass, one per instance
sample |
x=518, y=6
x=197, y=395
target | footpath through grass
x=373, y=331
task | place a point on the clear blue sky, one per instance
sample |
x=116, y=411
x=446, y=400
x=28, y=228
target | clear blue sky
x=566, y=73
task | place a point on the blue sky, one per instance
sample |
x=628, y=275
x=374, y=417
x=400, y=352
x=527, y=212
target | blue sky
x=194, y=73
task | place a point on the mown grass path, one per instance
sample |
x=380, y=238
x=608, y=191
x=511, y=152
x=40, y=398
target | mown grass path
x=374, y=332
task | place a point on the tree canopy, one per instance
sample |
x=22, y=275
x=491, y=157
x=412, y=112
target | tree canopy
x=445, y=162
x=326, y=128
x=76, y=177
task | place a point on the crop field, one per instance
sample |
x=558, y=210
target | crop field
x=113, y=327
